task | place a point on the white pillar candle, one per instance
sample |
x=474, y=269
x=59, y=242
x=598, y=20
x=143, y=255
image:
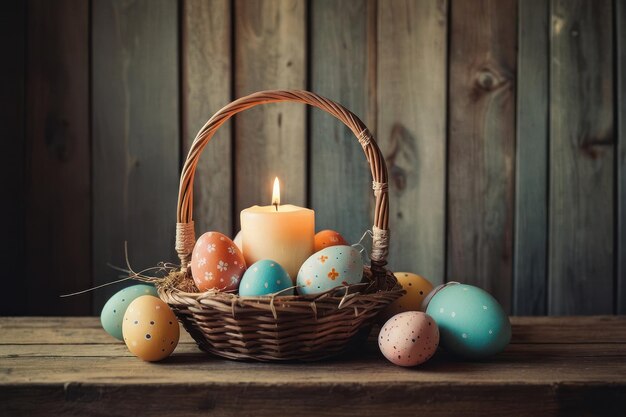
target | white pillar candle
x=285, y=234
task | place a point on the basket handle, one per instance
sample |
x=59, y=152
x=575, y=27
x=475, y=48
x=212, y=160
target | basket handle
x=185, y=236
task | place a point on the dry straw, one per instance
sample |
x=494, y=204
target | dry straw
x=278, y=327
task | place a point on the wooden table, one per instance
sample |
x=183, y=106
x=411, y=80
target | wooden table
x=554, y=366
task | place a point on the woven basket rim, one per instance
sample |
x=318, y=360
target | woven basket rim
x=339, y=294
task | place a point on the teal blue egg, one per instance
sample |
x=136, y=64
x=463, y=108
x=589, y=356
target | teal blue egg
x=329, y=268
x=113, y=311
x=471, y=322
x=265, y=277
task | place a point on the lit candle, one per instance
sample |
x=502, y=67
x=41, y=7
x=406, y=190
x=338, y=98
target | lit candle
x=284, y=233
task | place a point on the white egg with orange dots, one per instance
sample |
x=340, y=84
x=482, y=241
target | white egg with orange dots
x=409, y=338
x=416, y=287
x=150, y=329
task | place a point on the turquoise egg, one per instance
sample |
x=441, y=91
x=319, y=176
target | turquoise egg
x=265, y=277
x=331, y=267
x=471, y=322
x=113, y=311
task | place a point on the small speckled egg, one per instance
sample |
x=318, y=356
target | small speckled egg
x=472, y=323
x=238, y=240
x=265, y=277
x=329, y=268
x=409, y=338
x=416, y=287
x=150, y=329
x=327, y=238
x=112, y=314
x=216, y=262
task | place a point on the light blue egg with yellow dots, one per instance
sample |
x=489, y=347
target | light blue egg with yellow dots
x=112, y=314
x=265, y=277
x=471, y=322
x=334, y=266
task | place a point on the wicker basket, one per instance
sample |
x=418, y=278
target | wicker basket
x=274, y=328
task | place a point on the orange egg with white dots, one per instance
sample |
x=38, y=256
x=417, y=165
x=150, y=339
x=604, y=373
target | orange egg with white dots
x=150, y=329
x=327, y=238
x=217, y=263
x=416, y=287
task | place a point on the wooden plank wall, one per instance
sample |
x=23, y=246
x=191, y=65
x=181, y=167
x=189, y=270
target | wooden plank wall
x=481, y=137
x=135, y=151
x=582, y=166
x=620, y=36
x=502, y=123
x=13, y=151
x=531, y=158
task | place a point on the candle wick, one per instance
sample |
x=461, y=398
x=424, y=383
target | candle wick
x=276, y=205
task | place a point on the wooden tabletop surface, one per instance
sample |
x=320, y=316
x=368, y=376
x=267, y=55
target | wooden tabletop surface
x=554, y=366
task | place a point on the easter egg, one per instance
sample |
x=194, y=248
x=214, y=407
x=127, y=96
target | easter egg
x=416, y=287
x=472, y=323
x=216, y=262
x=265, y=277
x=329, y=268
x=112, y=314
x=409, y=338
x=238, y=240
x=327, y=238
x=150, y=329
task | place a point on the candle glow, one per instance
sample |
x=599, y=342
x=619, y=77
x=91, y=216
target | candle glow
x=276, y=194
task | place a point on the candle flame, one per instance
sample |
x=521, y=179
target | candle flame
x=276, y=193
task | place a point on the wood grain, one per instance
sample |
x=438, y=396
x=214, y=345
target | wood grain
x=581, y=159
x=199, y=369
x=526, y=330
x=342, y=63
x=482, y=144
x=620, y=28
x=270, y=53
x=98, y=399
x=206, y=87
x=531, y=159
x=57, y=197
x=412, y=40
x=135, y=135
x=546, y=352
x=13, y=152
x=76, y=376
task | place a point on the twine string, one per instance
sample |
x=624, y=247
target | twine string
x=379, y=187
x=132, y=274
x=380, y=244
x=185, y=241
x=360, y=247
x=364, y=137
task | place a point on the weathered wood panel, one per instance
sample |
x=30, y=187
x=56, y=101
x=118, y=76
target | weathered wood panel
x=343, y=64
x=12, y=153
x=57, y=198
x=412, y=130
x=482, y=144
x=620, y=31
x=206, y=87
x=581, y=158
x=531, y=159
x=183, y=400
x=270, y=53
x=526, y=330
x=541, y=375
x=135, y=135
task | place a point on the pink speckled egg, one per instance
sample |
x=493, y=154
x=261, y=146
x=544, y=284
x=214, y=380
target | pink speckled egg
x=409, y=338
x=216, y=262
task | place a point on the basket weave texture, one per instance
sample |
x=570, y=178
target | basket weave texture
x=278, y=328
